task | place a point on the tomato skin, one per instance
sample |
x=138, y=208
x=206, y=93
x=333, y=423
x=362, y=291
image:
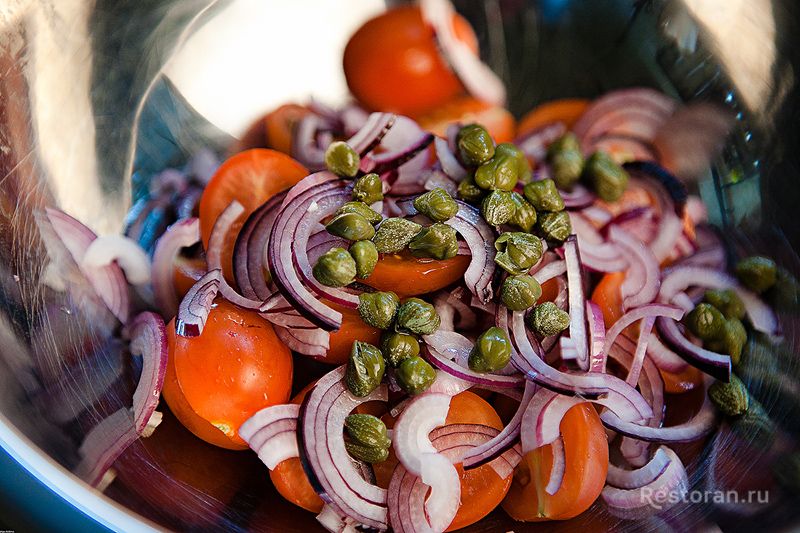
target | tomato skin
x=392, y=63
x=498, y=121
x=607, y=294
x=586, y=465
x=689, y=379
x=218, y=380
x=353, y=329
x=291, y=482
x=186, y=273
x=279, y=125
x=407, y=275
x=566, y=110
x=251, y=178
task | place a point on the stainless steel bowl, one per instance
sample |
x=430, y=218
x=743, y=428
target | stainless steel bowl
x=96, y=97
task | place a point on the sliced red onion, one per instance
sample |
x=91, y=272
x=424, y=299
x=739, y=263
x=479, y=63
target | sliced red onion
x=631, y=479
x=181, y=234
x=314, y=341
x=131, y=258
x=112, y=436
x=444, y=498
x=666, y=490
x=680, y=278
x=325, y=459
x=534, y=144
x=372, y=132
x=663, y=357
x=595, y=253
x=549, y=271
x=623, y=148
x=642, y=288
x=331, y=518
x=480, y=239
x=504, y=440
x=542, y=419
x=578, y=198
x=712, y=363
x=669, y=192
x=444, y=348
x=272, y=433
x=306, y=145
x=654, y=310
x=410, y=436
x=597, y=215
x=558, y=468
x=700, y=425
x=606, y=389
x=108, y=281
x=196, y=305
x=577, y=302
x=641, y=349
x=448, y=160
x=386, y=161
x=249, y=261
x=476, y=76
x=597, y=337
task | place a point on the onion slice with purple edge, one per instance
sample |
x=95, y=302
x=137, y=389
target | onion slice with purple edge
x=654, y=310
x=108, y=439
x=579, y=198
x=371, y=133
x=410, y=436
x=604, y=389
x=596, y=254
x=700, y=425
x=542, y=419
x=535, y=144
x=663, y=357
x=548, y=271
x=577, y=302
x=314, y=341
x=249, y=266
x=643, y=278
x=448, y=160
x=325, y=459
x=558, y=468
x=712, y=363
x=181, y=234
x=479, y=236
x=668, y=489
x=631, y=479
x=597, y=337
x=386, y=161
x=126, y=252
x=272, y=433
x=478, y=79
x=108, y=281
x=195, y=306
x=680, y=278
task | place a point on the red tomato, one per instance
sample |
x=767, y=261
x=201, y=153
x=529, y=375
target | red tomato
x=498, y=121
x=407, y=275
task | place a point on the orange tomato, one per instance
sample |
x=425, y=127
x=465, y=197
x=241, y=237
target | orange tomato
x=218, y=380
x=586, y=465
x=566, y=110
x=279, y=124
x=407, y=275
x=498, y=121
x=634, y=197
x=392, y=63
x=352, y=329
x=549, y=291
x=251, y=178
x=608, y=296
x=689, y=379
x=186, y=273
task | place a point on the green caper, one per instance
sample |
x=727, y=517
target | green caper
x=705, y=321
x=341, y=159
x=368, y=454
x=415, y=375
x=731, y=398
x=547, y=319
x=519, y=293
x=366, y=257
x=757, y=273
x=544, y=196
x=365, y=369
x=350, y=226
x=498, y=208
x=469, y=191
x=607, y=177
x=492, y=351
x=727, y=301
x=566, y=160
x=517, y=252
x=437, y=205
x=360, y=208
x=524, y=213
x=378, y=309
x=499, y=173
x=475, y=145
x=335, y=268
x=524, y=171
x=438, y=241
x=396, y=347
x=417, y=316
x=394, y=234
x=367, y=429
x=755, y=425
x=368, y=189
x=554, y=226
x=731, y=340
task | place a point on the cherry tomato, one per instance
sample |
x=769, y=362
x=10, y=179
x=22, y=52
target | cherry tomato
x=407, y=275
x=586, y=465
x=566, y=110
x=689, y=379
x=186, y=273
x=608, y=296
x=279, y=125
x=392, y=63
x=498, y=121
x=352, y=329
x=251, y=178
x=218, y=380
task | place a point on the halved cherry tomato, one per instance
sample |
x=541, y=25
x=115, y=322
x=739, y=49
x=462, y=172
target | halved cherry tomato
x=218, y=380
x=407, y=275
x=549, y=291
x=392, y=63
x=586, y=465
x=279, y=124
x=481, y=488
x=608, y=296
x=353, y=329
x=689, y=379
x=251, y=178
x=498, y=121
x=566, y=110
x=187, y=271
